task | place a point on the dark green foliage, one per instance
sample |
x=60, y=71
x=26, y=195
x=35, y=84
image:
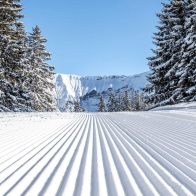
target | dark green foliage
x=41, y=73
x=112, y=105
x=172, y=77
x=126, y=104
x=18, y=57
x=101, y=105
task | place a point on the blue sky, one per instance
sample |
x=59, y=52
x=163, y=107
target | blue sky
x=96, y=37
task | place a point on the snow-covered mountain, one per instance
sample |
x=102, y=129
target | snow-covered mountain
x=72, y=87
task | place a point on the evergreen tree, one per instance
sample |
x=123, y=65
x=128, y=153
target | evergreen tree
x=101, y=105
x=137, y=100
x=134, y=100
x=178, y=33
x=158, y=85
x=142, y=104
x=13, y=64
x=20, y=73
x=41, y=73
x=77, y=106
x=112, y=103
x=167, y=56
x=69, y=107
x=126, y=105
x=186, y=87
x=119, y=102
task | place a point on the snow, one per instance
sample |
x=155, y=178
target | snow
x=189, y=106
x=79, y=86
x=71, y=87
x=136, y=153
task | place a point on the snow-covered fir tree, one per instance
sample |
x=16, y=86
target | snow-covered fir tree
x=157, y=63
x=21, y=75
x=142, y=104
x=134, y=100
x=125, y=104
x=41, y=73
x=186, y=87
x=137, y=100
x=69, y=107
x=77, y=106
x=13, y=64
x=101, y=106
x=177, y=30
x=112, y=103
x=23, y=64
x=170, y=56
x=118, y=102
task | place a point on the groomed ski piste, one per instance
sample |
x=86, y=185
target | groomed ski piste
x=135, y=153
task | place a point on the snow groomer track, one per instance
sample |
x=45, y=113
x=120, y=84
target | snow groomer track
x=141, y=153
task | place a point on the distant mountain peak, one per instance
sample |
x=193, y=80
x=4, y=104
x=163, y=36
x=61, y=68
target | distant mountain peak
x=72, y=87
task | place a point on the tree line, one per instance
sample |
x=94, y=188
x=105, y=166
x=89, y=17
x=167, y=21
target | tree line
x=26, y=78
x=127, y=101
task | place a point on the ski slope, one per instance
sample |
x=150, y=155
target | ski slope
x=141, y=153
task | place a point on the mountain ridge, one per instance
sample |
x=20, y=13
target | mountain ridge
x=71, y=87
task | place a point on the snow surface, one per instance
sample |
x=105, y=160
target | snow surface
x=136, y=153
x=72, y=87
x=181, y=106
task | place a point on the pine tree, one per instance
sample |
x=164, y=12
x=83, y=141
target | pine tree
x=77, y=106
x=20, y=73
x=167, y=56
x=134, y=100
x=112, y=103
x=101, y=107
x=142, y=104
x=126, y=105
x=186, y=87
x=119, y=102
x=13, y=65
x=178, y=33
x=158, y=84
x=69, y=107
x=41, y=73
